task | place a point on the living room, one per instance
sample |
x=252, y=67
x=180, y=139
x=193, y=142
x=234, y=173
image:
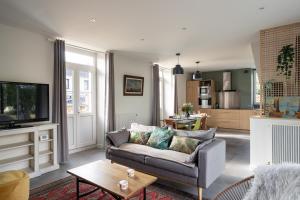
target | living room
x=149, y=100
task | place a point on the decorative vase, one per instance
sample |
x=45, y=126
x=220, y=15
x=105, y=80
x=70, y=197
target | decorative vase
x=187, y=114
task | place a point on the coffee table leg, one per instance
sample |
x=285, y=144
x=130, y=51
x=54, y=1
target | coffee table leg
x=77, y=188
x=145, y=193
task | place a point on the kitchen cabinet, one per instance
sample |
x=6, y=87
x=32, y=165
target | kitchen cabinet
x=192, y=93
x=229, y=118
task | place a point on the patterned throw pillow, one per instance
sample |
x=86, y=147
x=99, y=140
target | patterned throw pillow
x=139, y=137
x=184, y=144
x=160, y=138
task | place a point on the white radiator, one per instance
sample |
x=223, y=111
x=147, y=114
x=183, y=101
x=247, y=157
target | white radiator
x=285, y=143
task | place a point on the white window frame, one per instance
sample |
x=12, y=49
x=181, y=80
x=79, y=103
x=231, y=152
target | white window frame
x=255, y=76
x=76, y=67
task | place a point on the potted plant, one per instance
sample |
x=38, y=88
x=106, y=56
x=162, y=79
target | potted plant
x=285, y=60
x=187, y=108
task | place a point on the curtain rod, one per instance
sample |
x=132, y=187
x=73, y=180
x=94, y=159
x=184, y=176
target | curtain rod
x=77, y=47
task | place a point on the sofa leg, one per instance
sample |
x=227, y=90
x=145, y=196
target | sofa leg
x=199, y=193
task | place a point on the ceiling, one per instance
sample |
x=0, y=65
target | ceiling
x=218, y=33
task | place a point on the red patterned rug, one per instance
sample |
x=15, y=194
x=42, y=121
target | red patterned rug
x=65, y=189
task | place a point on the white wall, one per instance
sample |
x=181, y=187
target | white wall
x=132, y=108
x=25, y=57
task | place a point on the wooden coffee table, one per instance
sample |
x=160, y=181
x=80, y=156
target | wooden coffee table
x=105, y=175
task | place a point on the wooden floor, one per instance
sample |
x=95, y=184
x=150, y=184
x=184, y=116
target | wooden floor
x=237, y=166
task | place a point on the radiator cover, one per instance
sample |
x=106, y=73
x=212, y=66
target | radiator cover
x=285, y=144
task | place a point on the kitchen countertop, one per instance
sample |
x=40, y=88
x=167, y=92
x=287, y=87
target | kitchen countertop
x=231, y=109
x=273, y=118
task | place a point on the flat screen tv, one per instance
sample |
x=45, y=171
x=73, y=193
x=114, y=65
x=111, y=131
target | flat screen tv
x=23, y=102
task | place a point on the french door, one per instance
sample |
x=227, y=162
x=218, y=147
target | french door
x=81, y=101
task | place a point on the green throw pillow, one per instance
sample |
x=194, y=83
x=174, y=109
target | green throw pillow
x=139, y=137
x=184, y=144
x=160, y=138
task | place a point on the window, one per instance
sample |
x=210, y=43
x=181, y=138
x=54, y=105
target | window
x=161, y=94
x=85, y=102
x=70, y=92
x=166, y=83
x=77, y=58
x=86, y=85
x=67, y=83
x=256, y=89
x=80, y=81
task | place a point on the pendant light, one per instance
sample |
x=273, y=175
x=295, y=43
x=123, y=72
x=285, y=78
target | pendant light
x=197, y=75
x=178, y=69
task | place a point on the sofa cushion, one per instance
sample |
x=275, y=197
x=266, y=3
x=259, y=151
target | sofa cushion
x=200, y=134
x=118, y=137
x=166, y=159
x=114, y=151
x=144, y=150
x=184, y=144
x=160, y=138
x=139, y=137
x=180, y=168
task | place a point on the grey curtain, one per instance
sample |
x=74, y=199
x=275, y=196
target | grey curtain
x=110, y=120
x=59, y=111
x=156, y=96
x=175, y=95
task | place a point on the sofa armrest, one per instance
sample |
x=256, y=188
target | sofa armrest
x=211, y=162
x=108, y=141
x=118, y=138
x=107, y=147
x=115, y=138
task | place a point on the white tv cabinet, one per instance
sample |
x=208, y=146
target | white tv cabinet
x=21, y=148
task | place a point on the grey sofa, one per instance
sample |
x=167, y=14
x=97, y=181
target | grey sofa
x=168, y=164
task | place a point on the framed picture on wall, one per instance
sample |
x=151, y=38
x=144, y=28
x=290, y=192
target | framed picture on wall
x=133, y=85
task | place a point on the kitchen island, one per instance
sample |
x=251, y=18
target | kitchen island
x=238, y=119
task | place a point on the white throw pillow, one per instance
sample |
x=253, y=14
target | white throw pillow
x=141, y=128
x=271, y=181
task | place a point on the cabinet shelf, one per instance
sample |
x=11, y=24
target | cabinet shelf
x=46, y=152
x=46, y=165
x=28, y=170
x=49, y=140
x=21, y=149
x=15, y=145
x=16, y=159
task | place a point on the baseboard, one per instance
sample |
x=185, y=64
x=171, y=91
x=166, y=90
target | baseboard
x=83, y=148
x=100, y=146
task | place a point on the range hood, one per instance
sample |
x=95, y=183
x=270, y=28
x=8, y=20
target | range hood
x=226, y=81
x=228, y=98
